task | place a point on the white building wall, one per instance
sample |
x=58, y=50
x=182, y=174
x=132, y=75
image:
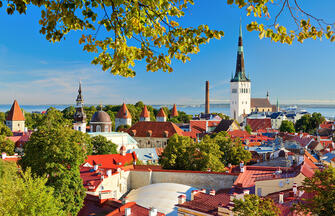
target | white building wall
x=80, y=127
x=240, y=99
x=121, y=121
x=16, y=125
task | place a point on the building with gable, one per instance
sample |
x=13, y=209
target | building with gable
x=15, y=119
x=123, y=117
x=153, y=134
x=118, y=138
x=80, y=115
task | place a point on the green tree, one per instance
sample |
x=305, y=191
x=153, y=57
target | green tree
x=23, y=194
x=4, y=130
x=58, y=151
x=248, y=129
x=322, y=186
x=149, y=30
x=233, y=151
x=182, y=153
x=69, y=112
x=6, y=145
x=2, y=117
x=309, y=123
x=253, y=205
x=102, y=146
x=32, y=120
x=287, y=126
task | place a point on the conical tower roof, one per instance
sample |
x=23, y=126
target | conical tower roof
x=161, y=113
x=174, y=112
x=15, y=113
x=145, y=113
x=123, y=112
x=240, y=70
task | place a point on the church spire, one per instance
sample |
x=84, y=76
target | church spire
x=79, y=97
x=240, y=70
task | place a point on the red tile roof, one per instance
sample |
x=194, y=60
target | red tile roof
x=155, y=129
x=260, y=103
x=327, y=124
x=161, y=113
x=259, y=124
x=207, y=203
x=15, y=113
x=123, y=112
x=111, y=207
x=145, y=113
x=238, y=133
x=93, y=178
x=174, y=112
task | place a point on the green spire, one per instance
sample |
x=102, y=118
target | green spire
x=240, y=27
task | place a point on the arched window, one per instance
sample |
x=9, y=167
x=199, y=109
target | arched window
x=106, y=128
x=79, y=128
x=98, y=128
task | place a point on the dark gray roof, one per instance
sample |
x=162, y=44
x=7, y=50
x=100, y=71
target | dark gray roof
x=223, y=125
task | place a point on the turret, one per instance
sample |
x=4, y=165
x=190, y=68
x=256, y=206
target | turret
x=123, y=117
x=161, y=116
x=15, y=119
x=174, y=112
x=145, y=114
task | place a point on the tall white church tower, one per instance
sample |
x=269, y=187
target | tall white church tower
x=240, y=87
x=80, y=116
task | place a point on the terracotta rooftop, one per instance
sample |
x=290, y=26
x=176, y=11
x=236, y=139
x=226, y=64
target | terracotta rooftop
x=123, y=112
x=207, y=203
x=260, y=102
x=154, y=129
x=111, y=207
x=145, y=113
x=259, y=124
x=15, y=113
x=174, y=112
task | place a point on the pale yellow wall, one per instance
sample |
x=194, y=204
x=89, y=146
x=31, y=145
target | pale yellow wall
x=15, y=125
x=272, y=186
x=143, y=142
x=261, y=109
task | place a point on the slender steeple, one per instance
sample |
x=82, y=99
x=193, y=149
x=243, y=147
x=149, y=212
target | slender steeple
x=80, y=115
x=240, y=70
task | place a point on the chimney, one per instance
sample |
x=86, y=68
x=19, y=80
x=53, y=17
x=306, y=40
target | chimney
x=127, y=211
x=295, y=189
x=109, y=173
x=194, y=192
x=96, y=167
x=203, y=190
x=181, y=199
x=281, y=197
x=207, y=98
x=3, y=155
x=212, y=192
x=242, y=166
x=153, y=212
x=245, y=192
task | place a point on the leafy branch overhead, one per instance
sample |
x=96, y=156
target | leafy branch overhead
x=122, y=32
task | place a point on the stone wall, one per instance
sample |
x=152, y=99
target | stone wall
x=199, y=180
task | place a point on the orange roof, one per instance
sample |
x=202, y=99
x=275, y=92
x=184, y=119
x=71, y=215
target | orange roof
x=174, y=112
x=145, y=113
x=123, y=112
x=259, y=124
x=154, y=129
x=161, y=113
x=15, y=113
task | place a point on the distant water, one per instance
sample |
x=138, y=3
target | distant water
x=325, y=110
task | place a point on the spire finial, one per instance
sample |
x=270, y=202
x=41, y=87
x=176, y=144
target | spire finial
x=240, y=27
x=100, y=106
x=79, y=90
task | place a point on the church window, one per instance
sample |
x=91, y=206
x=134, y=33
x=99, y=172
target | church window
x=106, y=128
x=79, y=128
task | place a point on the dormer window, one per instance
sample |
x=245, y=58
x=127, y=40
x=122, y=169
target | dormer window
x=149, y=133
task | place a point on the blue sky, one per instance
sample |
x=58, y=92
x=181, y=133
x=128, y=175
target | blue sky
x=35, y=71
